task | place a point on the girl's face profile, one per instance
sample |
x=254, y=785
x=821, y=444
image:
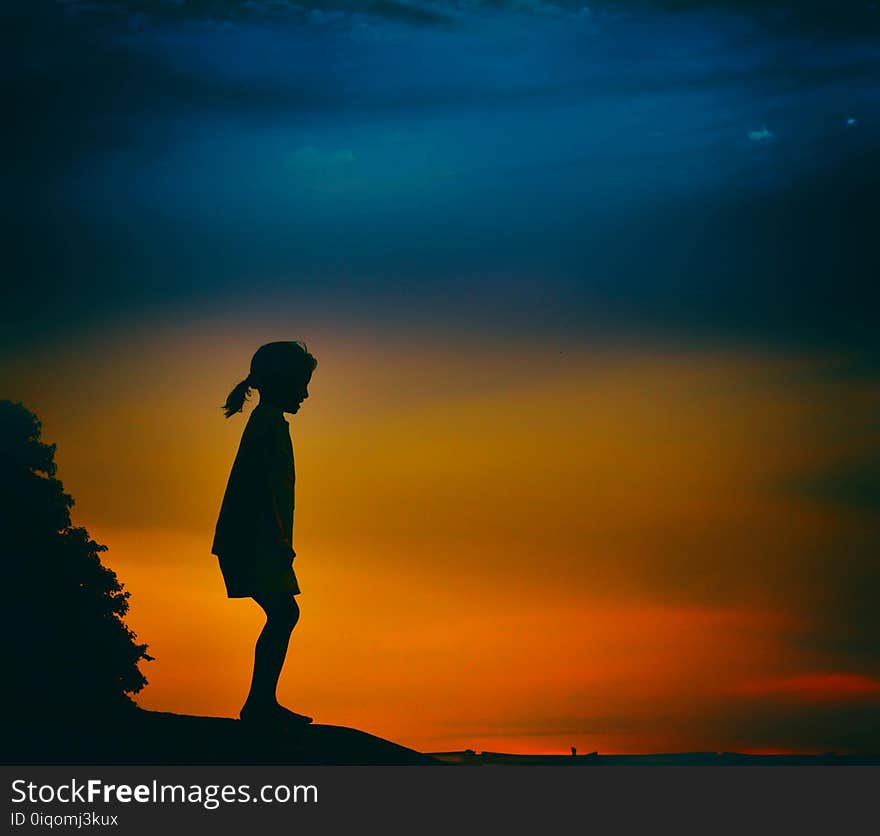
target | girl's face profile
x=286, y=390
x=296, y=393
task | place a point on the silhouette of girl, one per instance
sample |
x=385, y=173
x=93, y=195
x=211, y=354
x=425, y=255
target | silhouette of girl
x=253, y=539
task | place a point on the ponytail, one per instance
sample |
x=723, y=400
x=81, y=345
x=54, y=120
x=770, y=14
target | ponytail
x=237, y=397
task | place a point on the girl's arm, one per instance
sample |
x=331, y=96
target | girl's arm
x=280, y=496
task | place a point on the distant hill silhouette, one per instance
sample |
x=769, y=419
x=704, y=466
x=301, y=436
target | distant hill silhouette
x=470, y=758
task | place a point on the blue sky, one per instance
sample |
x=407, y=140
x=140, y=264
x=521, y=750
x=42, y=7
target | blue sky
x=543, y=165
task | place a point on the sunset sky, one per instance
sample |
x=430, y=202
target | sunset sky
x=591, y=456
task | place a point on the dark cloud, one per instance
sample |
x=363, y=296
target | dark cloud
x=852, y=17
x=837, y=16
x=798, y=724
x=144, y=12
x=854, y=486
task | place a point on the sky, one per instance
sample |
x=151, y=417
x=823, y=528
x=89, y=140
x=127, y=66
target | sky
x=591, y=455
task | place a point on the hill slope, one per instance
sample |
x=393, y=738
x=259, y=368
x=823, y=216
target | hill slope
x=151, y=737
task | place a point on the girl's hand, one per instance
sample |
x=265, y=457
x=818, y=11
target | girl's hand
x=286, y=554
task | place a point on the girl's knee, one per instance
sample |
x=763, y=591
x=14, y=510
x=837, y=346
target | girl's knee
x=292, y=612
x=281, y=611
x=285, y=613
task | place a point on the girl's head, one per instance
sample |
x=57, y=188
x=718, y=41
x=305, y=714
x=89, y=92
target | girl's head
x=281, y=371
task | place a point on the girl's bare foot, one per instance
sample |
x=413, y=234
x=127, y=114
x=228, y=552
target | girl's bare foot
x=292, y=716
x=272, y=714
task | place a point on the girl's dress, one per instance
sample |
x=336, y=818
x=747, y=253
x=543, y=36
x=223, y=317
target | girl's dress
x=253, y=539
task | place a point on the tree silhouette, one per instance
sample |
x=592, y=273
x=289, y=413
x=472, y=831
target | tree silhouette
x=72, y=654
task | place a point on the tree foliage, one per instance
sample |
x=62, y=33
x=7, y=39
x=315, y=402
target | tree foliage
x=72, y=652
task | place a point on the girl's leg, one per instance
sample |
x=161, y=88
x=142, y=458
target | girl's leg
x=282, y=613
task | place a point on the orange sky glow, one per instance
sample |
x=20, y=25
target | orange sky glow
x=502, y=546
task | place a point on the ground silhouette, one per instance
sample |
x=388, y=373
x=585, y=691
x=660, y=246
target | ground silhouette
x=153, y=737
